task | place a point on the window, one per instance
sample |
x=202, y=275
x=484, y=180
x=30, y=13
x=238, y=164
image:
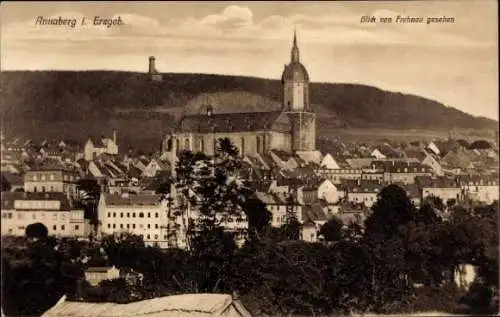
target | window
x=128, y=215
x=165, y=237
x=51, y=177
x=133, y=215
x=77, y=227
x=149, y=215
x=51, y=188
x=62, y=227
x=121, y=214
x=128, y=226
x=43, y=177
x=109, y=215
x=114, y=215
x=121, y=226
x=149, y=226
x=258, y=144
x=54, y=227
x=109, y=226
x=156, y=237
x=148, y=237
x=202, y=145
x=133, y=226
x=114, y=226
x=141, y=215
x=156, y=215
x=156, y=226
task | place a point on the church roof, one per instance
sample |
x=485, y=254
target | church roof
x=295, y=71
x=229, y=122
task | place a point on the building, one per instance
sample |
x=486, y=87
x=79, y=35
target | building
x=482, y=188
x=365, y=192
x=53, y=210
x=446, y=188
x=293, y=128
x=137, y=214
x=94, y=148
x=185, y=305
x=154, y=75
x=95, y=275
x=52, y=179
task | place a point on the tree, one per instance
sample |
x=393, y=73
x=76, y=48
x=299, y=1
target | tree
x=37, y=230
x=385, y=238
x=332, y=230
x=5, y=186
x=480, y=145
x=292, y=229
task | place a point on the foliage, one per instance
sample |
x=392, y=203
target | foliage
x=332, y=230
x=37, y=230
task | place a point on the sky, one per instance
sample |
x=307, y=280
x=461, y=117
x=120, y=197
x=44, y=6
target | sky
x=453, y=63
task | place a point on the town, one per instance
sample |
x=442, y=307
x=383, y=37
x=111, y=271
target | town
x=96, y=191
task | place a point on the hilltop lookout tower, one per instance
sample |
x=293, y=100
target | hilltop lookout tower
x=154, y=75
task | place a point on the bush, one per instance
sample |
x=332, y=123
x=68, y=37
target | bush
x=37, y=230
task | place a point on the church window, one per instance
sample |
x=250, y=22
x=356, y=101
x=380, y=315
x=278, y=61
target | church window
x=202, y=145
x=177, y=145
x=242, y=146
x=258, y=144
x=169, y=145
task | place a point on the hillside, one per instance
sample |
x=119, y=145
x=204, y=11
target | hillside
x=82, y=103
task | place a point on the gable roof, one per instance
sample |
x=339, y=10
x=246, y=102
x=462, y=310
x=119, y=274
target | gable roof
x=230, y=122
x=186, y=305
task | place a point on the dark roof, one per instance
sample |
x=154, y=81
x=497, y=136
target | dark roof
x=230, y=122
x=295, y=71
x=416, y=153
x=436, y=181
x=313, y=213
x=137, y=200
x=400, y=166
x=364, y=186
x=8, y=199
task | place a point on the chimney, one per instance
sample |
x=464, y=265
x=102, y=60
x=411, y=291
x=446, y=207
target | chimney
x=209, y=110
x=114, y=136
x=152, y=69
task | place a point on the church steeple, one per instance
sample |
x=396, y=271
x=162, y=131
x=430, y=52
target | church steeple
x=295, y=49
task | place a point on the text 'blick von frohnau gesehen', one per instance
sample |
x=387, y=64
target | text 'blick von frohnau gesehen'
x=407, y=19
x=83, y=21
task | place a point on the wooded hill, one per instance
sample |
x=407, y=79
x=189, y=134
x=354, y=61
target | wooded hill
x=90, y=102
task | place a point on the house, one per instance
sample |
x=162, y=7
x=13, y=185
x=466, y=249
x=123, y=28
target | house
x=336, y=176
x=444, y=187
x=482, y=188
x=155, y=166
x=52, y=178
x=53, y=210
x=317, y=188
x=95, y=275
x=94, y=148
x=142, y=215
x=365, y=192
x=433, y=148
x=424, y=157
x=310, y=156
x=185, y=305
x=401, y=171
x=279, y=207
x=329, y=163
x=377, y=154
x=284, y=159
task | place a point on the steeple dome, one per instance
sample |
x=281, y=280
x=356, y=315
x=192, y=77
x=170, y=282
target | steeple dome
x=295, y=71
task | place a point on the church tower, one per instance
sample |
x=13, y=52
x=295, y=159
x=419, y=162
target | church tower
x=295, y=81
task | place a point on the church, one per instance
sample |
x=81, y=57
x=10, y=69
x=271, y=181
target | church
x=291, y=129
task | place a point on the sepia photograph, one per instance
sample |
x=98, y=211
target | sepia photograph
x=249, y=158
